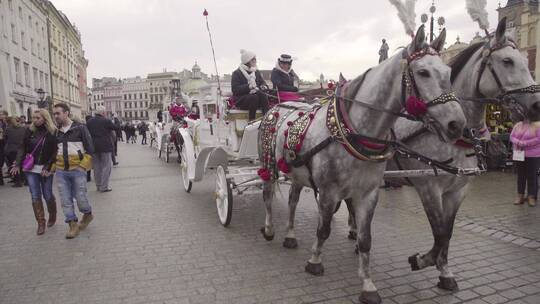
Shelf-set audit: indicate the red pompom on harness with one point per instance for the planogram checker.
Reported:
(416, 106)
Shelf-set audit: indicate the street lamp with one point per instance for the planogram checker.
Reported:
(42, 103)
(440, 21)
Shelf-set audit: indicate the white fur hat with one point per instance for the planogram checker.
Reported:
(246, 56)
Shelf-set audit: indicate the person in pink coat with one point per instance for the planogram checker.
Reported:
(526, 137)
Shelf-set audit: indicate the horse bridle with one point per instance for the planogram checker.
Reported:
(408, 84)
(486, 63)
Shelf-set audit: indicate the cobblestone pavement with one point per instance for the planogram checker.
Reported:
(150, 242)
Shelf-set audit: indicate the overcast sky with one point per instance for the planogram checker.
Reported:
(125, 38)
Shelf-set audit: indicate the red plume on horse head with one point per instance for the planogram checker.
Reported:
(205, 13)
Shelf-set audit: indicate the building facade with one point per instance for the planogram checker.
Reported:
(159, 90)
(24, 55)
(523, 20)
(66, 60)
(135, 99)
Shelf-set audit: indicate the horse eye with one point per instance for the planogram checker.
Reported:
(424, 73)
(508, 61)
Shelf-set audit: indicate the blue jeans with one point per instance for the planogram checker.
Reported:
(72, 185)
(40, 186)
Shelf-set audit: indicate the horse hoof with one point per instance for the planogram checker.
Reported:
(413, 260)
(370, 297)
(352, 235)
(290, 243)
(448, 284)
(315, 269)
(266, 236)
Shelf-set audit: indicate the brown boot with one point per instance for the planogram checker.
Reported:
(73, 230)
(51, 208)
(519, 200)
(39, 213)
(86, 219)
(531, 200)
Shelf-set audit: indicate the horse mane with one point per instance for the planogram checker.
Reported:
(458, 62)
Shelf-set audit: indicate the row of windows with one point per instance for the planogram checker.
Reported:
(161, 89)
(156, 98)
(38, 80)
(98, 97)
(135, 114)
(134, 104)
(36, 48)
(128, 96)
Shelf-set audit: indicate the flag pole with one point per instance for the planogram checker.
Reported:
(205, 14)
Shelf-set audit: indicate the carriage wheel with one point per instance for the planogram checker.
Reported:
(224, 198)
(184, 170)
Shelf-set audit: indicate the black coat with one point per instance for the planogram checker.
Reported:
(100, 128)
(13, 139)
(283, 81)
(45, 154)
(240, 85)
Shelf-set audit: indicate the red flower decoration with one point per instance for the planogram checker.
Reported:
(311, 115)
(331, 85)
(283, 166)
(276, 114)
(286, 133)
(298, 147)
(416, 106)
(289, 123)
(273, 130)
(300, 114)
(264, 174)
(302, 136)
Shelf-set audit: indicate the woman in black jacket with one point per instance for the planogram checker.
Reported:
(40, 141)
(246, 83)
(283, 76)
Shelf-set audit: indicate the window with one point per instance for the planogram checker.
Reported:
(151, 98)
(160, 97)
(44, 54)
(39, 50)
(23, 43)
(125, 97)
(41, 81)
(145, 95)
(129, 96)
(29, 21)
(20, 12)
(136, 116)
(140, 104)
(36, 80)
(140, 95)
(3, 26)
(13, 33)
(45, 84)
(135, 96)
(125, 104)
(146, 104)
(10, 4)
(32, 46)
(17, 64)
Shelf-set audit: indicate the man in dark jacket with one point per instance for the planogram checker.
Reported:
(283, 76)
(247, 83)
(100, 128)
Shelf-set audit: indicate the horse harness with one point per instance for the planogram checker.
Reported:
(339, 124)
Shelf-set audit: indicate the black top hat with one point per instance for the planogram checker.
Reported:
(284, 58)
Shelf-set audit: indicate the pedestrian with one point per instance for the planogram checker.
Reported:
(127, 131)
(525, 138)
(133, 134)
(142, 131)
(114, 154)
(14, 137)
(118, 131)
(36, 158)
(73, 160)
(89, 171)
(3, 126)
(100, 129)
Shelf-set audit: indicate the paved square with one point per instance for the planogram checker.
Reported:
(151, 242)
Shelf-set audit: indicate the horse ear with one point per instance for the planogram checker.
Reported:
(342, 79)
(438, 44)
(501, 30)
(419, 39)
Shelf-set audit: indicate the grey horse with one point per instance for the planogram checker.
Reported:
(335, 173)
(442, 196)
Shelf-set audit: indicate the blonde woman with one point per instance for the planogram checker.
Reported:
(40, 141)
(525, 138)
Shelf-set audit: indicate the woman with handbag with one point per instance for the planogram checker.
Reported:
(525, 138)
(36, 158)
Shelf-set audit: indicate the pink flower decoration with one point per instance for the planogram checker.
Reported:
(283, 166)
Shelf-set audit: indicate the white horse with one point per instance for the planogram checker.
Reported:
(338, 148)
